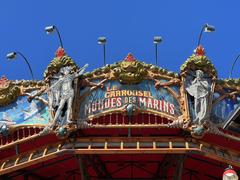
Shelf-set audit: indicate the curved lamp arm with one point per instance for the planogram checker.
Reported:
(51, 29)
(205, 28)
(59, 36)
(12, 55)
(230, 74)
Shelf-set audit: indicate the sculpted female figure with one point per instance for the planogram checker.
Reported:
(200, 89)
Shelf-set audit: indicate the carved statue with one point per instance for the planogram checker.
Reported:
(63, 89)
(64, 85)
(54, 94)
(60, 93)
(200, 89)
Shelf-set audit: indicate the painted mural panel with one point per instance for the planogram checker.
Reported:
(116, 95)
(22, 112)
(224, 109)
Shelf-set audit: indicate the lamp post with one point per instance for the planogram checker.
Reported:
(156, 41)
(13, 55)
(205, 28)
(103, 41)
(51, 29)
(230, 74)
(230, 174)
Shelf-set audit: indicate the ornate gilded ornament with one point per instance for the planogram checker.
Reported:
(8, 91)
(60, 60)
(59, 77)
(130, 71)
(196, 84)
(198, 61)
(199, 75)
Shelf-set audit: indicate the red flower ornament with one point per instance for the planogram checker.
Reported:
(60, 52)
(199, 51)
(129, 58)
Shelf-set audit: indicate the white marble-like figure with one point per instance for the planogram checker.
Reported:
(200, 89)
(54, 94)
(66, 92)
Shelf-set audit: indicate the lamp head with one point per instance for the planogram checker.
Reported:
(11, 55)
(157, 39)
(229, 173)
(102, 40)
(209, 28)
(49, 29)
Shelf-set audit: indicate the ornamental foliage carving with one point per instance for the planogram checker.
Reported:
(8, 92)
(198, 61)
(61, 60)
(130, 71)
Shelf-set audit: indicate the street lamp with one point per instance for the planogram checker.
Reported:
(230, 74)
(13, 55)
(156, 41)
(205, 28)
(51, 29)
(103, 41)
(230, 174)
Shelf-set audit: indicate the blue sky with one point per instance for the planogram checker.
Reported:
(129, 26)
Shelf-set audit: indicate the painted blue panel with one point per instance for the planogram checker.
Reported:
(224, 109)
(22, 112)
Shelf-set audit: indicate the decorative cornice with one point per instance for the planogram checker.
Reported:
(131, 71)
(10, 90)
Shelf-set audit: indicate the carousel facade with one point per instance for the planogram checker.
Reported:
(127, 120)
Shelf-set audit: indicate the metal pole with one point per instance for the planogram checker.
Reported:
(200, 35)
(129, 132)
(230, 74)
(25, 177)
(29, 67)
(104, 54)
(156, 53)
(59, 36)
(179, 167)
(82, 168)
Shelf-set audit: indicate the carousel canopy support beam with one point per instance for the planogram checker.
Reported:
(82, 168)
(20, 172)
(164, 165)
(17, 149)
(179, 167)
(118, 145)
(34, 176)
(98, 166)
